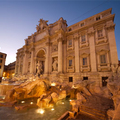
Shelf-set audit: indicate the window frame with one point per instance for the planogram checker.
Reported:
(70, 62)
(98, 18)
(103, 59)
(84, 61)
(99, 33)
(70, 43)
(0, 61)
(82, 24)
(83, 38)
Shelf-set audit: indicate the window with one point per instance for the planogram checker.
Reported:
(70, 30)
(0, 66)
(70, 62)
(85, 78)
(104, 82)
(70, 79)
(70, 43)
(98, 18)
(83, 38)
(84, 61)
(1, 56)
(0, 61)
(102, 59)
(100, 34)
(82, 24)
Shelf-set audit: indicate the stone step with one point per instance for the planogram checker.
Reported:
(101, 115)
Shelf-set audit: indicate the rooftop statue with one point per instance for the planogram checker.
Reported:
(42, 25)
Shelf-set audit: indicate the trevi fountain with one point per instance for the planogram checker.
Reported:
(34, 97)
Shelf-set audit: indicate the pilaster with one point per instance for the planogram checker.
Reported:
(92, 51)
(112, 44)
(77, 57)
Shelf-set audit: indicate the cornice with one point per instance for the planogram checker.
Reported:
(110, 27)
(95, 23)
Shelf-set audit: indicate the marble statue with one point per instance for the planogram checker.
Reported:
(55, 65)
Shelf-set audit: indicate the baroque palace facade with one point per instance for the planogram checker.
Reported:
(83, 51)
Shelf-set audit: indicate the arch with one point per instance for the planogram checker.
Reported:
(40, 50)
(40, 61)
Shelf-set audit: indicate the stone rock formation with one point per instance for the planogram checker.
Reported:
(114, 88)
(28, 89)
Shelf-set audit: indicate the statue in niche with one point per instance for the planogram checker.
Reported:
(55, 64)
(42, 25)
(39, 68)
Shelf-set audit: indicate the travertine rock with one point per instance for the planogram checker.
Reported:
(62, 94)
(80, 97)
(27, 90)
(54, 97)
(117, 113)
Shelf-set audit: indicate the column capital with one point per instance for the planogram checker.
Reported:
(76, 38)
(33, 48)
(48, 43)
(91, 33)
(60, 39)
(65, 41)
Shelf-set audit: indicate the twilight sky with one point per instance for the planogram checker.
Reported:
(18, 18)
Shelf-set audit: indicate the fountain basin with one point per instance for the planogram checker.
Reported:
(32, 114)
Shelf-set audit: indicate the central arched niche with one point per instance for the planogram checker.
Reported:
(40, 59)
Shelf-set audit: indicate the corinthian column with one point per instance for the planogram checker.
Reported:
(60, 55)
(47, 58)
(32, 61)
(25, 62)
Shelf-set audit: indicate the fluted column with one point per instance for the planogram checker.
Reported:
(77, 57)
(92, 51)
(60, 55)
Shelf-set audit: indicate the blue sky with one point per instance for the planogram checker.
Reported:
(18, 18)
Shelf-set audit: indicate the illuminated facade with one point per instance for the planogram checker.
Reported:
(2, 63)
(83, 51)
(9, 70)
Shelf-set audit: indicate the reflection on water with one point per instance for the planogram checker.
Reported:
(31, 114)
